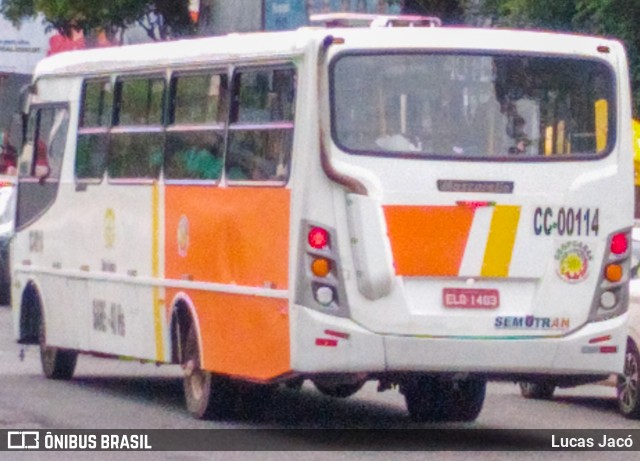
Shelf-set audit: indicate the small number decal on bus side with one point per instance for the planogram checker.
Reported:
(108, 318)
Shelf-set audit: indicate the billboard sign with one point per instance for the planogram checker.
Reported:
(291, 14)
(22, 47)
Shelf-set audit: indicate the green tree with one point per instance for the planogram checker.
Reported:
(162, 19)
(613, 18)
(450, 11)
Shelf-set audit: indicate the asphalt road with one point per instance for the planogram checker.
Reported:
(128, 395)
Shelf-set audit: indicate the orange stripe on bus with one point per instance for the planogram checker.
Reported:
(428, 240)
(236, 236)
(243, 336)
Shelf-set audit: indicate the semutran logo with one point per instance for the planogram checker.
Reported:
(23, 440)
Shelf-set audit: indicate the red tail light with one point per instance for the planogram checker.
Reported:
(619, 244)
(318, 238)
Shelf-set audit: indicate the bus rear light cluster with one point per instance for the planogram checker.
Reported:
(320, 284)
(612, 293)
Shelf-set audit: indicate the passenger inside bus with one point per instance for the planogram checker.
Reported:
(41, 168)
(8, 158)
(193, 155)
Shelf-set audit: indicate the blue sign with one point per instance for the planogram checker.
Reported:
(285, 14)
(291, 14)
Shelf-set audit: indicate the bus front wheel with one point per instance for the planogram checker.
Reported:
(207, 395)
(56, 363)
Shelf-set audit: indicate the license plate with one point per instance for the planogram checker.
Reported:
(471, 298)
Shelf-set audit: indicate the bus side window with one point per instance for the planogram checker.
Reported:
(46, 140)
(261, 125)
(95, 121)
(195, 134)
(136, 141)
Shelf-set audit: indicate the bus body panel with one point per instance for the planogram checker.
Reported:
(236, 236)
(232, 235)
(445, 241)
(241, 335)
(357, 349)
(111, 248)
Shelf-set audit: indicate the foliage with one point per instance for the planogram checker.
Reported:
(613, 18)
(451, 12)
(162, 19)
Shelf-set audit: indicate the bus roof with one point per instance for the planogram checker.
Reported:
(277, 45)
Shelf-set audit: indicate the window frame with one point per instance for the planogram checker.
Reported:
(135, 128)
(234, 125)
(219, 126)
(612, 119)
(104, 130)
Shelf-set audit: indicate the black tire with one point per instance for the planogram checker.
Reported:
(341, 391)
(434, 399)
(628, 391)
(207, 395)
(253, 400)
(56, 363)
(294, 384)
(466, 398)
(542, 390)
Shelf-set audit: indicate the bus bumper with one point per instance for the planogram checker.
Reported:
(326, 344)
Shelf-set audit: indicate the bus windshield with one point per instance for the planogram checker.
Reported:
(492, 107)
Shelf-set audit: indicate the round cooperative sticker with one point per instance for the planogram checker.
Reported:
(573, 261)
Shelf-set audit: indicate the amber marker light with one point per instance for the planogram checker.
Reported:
(613, 272)
(321, 267)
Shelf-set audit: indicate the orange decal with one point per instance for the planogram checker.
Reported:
(428, 240)
(243, 336)
(236, 236)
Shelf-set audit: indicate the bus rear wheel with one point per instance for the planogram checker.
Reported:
(207, 395)
(340, 388)
(434, 399)
(56, 363)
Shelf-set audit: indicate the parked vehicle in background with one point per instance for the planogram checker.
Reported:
(627, 387)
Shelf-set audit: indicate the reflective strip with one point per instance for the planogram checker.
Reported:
(155, 272)
(502, 238)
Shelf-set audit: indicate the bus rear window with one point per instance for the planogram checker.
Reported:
(500, 107)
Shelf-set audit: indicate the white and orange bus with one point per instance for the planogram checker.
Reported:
(428, 207)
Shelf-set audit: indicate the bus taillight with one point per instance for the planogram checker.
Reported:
(619, 243)
(612, 295)
(318, 238)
